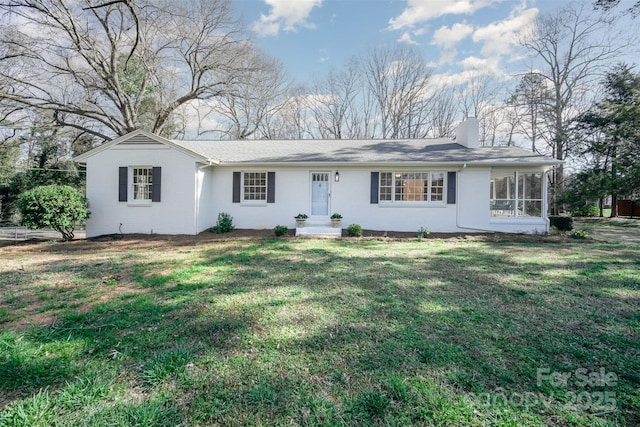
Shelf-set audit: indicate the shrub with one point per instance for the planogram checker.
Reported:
(224, 224)
(579, 234)
(59, 207)
(354, 230)
(585, 210)
(301, 216)
(562, 223)
(336, 216)
(423, 232)
(280, 230)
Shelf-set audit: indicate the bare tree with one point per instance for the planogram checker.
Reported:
(571, 47)
(398, 81)
(512, 121)
(290, 120)
(632, 8)
(476, 94)
(477, 97)
(258, 94)
(333, 103)
(444, 113)
(106, 69)
(532, 101)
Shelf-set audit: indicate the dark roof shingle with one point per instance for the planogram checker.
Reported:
(359, 151)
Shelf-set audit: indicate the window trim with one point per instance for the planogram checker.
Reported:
(131, 193)
(254, 202)
(409, 203)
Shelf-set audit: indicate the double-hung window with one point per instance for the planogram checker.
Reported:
(255, 188)
(420, 186)
(139, 185)
(254, 185)
(516, 194)
(142, 181)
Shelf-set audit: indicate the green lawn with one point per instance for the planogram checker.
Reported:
(477, 332)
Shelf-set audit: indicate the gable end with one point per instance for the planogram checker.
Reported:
(140, 139)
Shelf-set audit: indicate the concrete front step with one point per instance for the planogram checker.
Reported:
(319, 230)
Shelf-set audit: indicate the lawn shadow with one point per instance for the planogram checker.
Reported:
(340, 332)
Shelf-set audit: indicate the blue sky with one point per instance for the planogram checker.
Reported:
(311, 36)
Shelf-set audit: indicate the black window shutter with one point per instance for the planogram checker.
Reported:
(451, 188)
(271, 187)
(236, 187)
(156, 180)
(375, 181)
(123, 173)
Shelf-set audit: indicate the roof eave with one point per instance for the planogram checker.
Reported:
(82, 158)
(388, 164)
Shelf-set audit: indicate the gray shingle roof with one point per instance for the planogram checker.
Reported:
(359, 151)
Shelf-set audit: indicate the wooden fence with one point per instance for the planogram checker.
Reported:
(628, 208)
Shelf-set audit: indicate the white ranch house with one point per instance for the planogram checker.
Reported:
(143, 183)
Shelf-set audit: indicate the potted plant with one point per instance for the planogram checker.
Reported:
(336, 219)
(300, 219)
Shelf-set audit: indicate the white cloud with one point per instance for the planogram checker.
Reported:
(419, 11)
(448, 38)
(448, 56)
(475, 63)
(285, 15)
(499, 37)
(462, 78)
(419, 31)
(406, 38)
(474, 66)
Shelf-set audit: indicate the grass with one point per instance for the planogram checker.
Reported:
(321, 332)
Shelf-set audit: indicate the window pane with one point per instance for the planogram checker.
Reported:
(504, 187)
(255, 186)
(502, 202)
(530, 186)
(437, 186)
(412, 186)
(386, 186)
(529, 194)
(530, 208)
(142, 183)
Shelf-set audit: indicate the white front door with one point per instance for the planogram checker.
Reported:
(320, 193)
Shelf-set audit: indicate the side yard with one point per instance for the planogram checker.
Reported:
(466, 330)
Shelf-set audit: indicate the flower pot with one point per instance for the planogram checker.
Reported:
(300, 222)
(336, 223)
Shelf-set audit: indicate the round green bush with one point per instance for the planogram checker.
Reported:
(224, 224)
(585, 210)
(354, 230)
(579, 234)
(59, 207)
(561, 222)
(280, 230)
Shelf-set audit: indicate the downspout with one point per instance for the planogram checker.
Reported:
(196, 208)
(545, 201)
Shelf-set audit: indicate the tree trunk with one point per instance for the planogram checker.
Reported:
(601, 207)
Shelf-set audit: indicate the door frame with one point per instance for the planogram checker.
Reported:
(311, 173)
